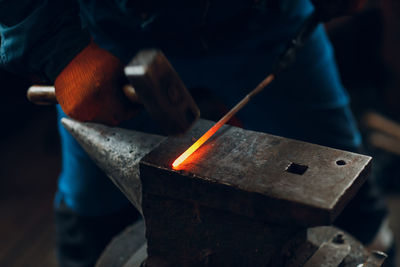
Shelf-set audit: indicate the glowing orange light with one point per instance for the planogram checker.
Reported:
(195, 146)
(222, 121)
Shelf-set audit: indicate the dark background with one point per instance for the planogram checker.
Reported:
(366, 50)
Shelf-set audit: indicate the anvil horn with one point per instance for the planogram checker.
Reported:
(117, 152)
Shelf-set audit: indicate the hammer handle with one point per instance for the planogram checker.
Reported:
(46, 95)
(42, 95)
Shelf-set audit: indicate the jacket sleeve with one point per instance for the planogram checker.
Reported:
(40, 37)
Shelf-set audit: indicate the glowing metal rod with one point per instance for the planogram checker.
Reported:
(222, 121)
(285, 60)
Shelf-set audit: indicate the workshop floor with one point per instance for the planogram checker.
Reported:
(29, 168)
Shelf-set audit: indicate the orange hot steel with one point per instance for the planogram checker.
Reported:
(222, 121)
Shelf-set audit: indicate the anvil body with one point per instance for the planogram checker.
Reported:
(243, 199)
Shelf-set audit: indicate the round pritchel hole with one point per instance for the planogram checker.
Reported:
(339, 239)
(341, 162)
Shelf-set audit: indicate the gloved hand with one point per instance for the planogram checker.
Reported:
(328, 9)
(89, 88)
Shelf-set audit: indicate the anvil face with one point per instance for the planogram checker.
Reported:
(243, 199)
(257, 175)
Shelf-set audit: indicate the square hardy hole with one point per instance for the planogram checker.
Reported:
(297, 168)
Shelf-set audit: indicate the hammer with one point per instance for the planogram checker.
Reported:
(155, 84)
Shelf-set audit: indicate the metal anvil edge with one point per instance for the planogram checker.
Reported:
(242, 195)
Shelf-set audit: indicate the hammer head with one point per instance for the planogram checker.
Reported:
(162, 92)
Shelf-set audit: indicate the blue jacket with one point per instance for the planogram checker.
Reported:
(228, 47)
(41, 36)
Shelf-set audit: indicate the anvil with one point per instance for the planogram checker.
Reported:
(240, 200)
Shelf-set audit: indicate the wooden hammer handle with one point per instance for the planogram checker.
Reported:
(42, 95)
(46, 95)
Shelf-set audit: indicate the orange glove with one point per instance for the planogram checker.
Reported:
(90, 88)
(329, 9)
